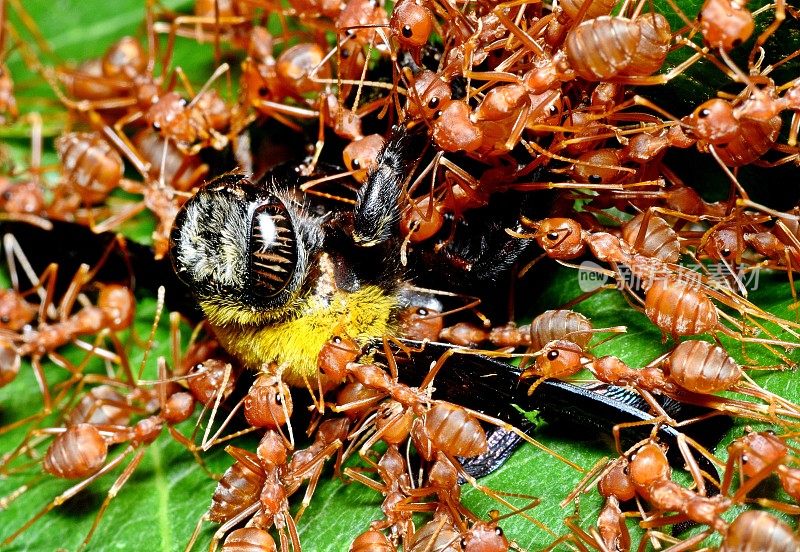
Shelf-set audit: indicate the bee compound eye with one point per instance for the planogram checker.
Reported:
(273, 248)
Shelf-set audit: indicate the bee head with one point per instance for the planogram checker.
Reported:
(242, 248)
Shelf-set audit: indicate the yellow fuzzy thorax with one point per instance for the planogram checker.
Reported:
(295, 344)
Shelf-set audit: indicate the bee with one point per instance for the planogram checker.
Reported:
(276, 281)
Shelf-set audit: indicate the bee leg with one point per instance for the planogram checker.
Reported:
(377, 209)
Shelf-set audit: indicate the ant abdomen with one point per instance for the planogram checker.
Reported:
(701, 367)
(454, 431)
(77, 453)
(679, 308)
(249, 539)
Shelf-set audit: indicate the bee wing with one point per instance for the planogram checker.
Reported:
(492, 387)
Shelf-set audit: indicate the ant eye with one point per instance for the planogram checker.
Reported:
(704, 113)
(498, 531)
(407, 31)
(745, 459)
(552, 355)
(463, 542)
(263, 91)
(278, 399)
(182, 102)
(5, 319)
(552, 236)
(7, 195)
(595, 179)
(433, 103)
(552, 110)
(736, 43)
(726, 252)
(336, 339)
(345, 54)
(422, 311)
(437, 115)
(356, 164)
(156, 126)
(626, 470)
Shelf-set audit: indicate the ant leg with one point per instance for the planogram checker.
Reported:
(494, 495)
(780, 15)
(225, 527)
(192, 448)
(316, 465)
(38, 372)
(66, 495)
(217, 400)
(790, 509)
(112, 492)
(508, 427)
(293, 535)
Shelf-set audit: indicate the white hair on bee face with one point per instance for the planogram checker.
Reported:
(220, 215)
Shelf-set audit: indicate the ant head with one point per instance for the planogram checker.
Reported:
(15, 311)
(336, 354)
(559, 358)
(207, 377)
(119, 304)
(178, 407)
(361, 156)
(422, 219)
(725, 24)
(297, 65)
(760, 449)
(649, 465)
(393, 422)
(427, 96)
(617, 482)
(561, 238)
(485, 537)
(599, 166)
(268, 403)
(714, 122)
(724, 244)
(411, 23)
(420, 323)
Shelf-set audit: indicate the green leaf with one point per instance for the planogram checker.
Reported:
(158, 507)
